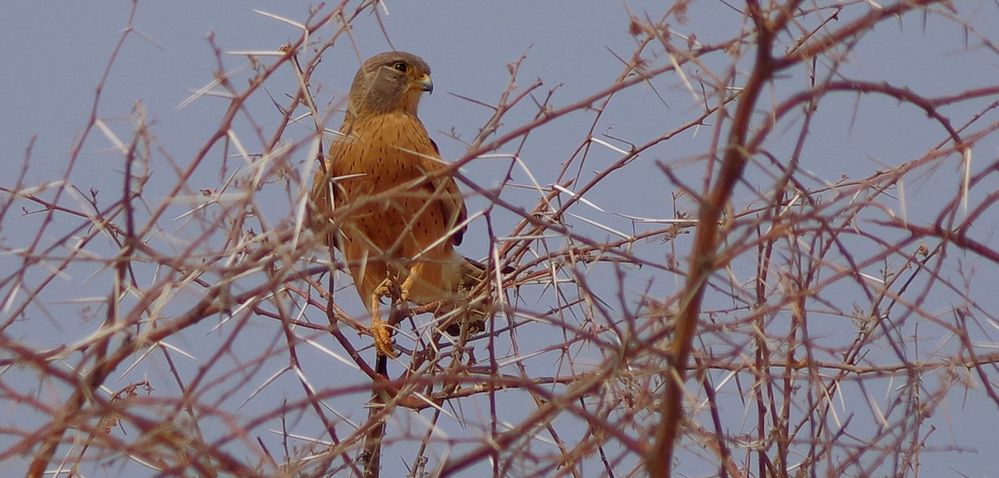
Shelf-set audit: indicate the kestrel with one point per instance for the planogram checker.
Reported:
(383, 199)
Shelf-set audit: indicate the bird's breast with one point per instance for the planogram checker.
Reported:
(387, 149)
(381, 165)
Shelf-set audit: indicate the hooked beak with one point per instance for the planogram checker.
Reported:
(426, 84)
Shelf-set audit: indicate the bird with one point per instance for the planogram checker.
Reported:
(385, 200)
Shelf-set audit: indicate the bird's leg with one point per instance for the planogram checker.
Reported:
(379, 330)
(415, 271)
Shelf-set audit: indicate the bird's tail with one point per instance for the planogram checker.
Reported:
(473, 311)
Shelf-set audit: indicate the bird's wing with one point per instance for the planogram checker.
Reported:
(324, 195)
(449, 197)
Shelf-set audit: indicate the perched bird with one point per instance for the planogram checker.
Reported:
(383, 201)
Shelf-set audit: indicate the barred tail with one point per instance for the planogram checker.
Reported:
(473, 273)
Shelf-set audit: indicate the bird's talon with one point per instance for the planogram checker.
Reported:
(383, 337)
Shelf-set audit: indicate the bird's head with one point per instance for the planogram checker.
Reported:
(388, 82)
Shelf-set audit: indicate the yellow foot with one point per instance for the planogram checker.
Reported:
(383, 290)
(379, 330)
(383, 337)
(415, 271)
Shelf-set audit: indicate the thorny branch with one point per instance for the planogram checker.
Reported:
(770, 321)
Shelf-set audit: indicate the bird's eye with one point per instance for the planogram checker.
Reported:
(400, 66)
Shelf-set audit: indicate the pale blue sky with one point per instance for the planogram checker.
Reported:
(54, 55)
